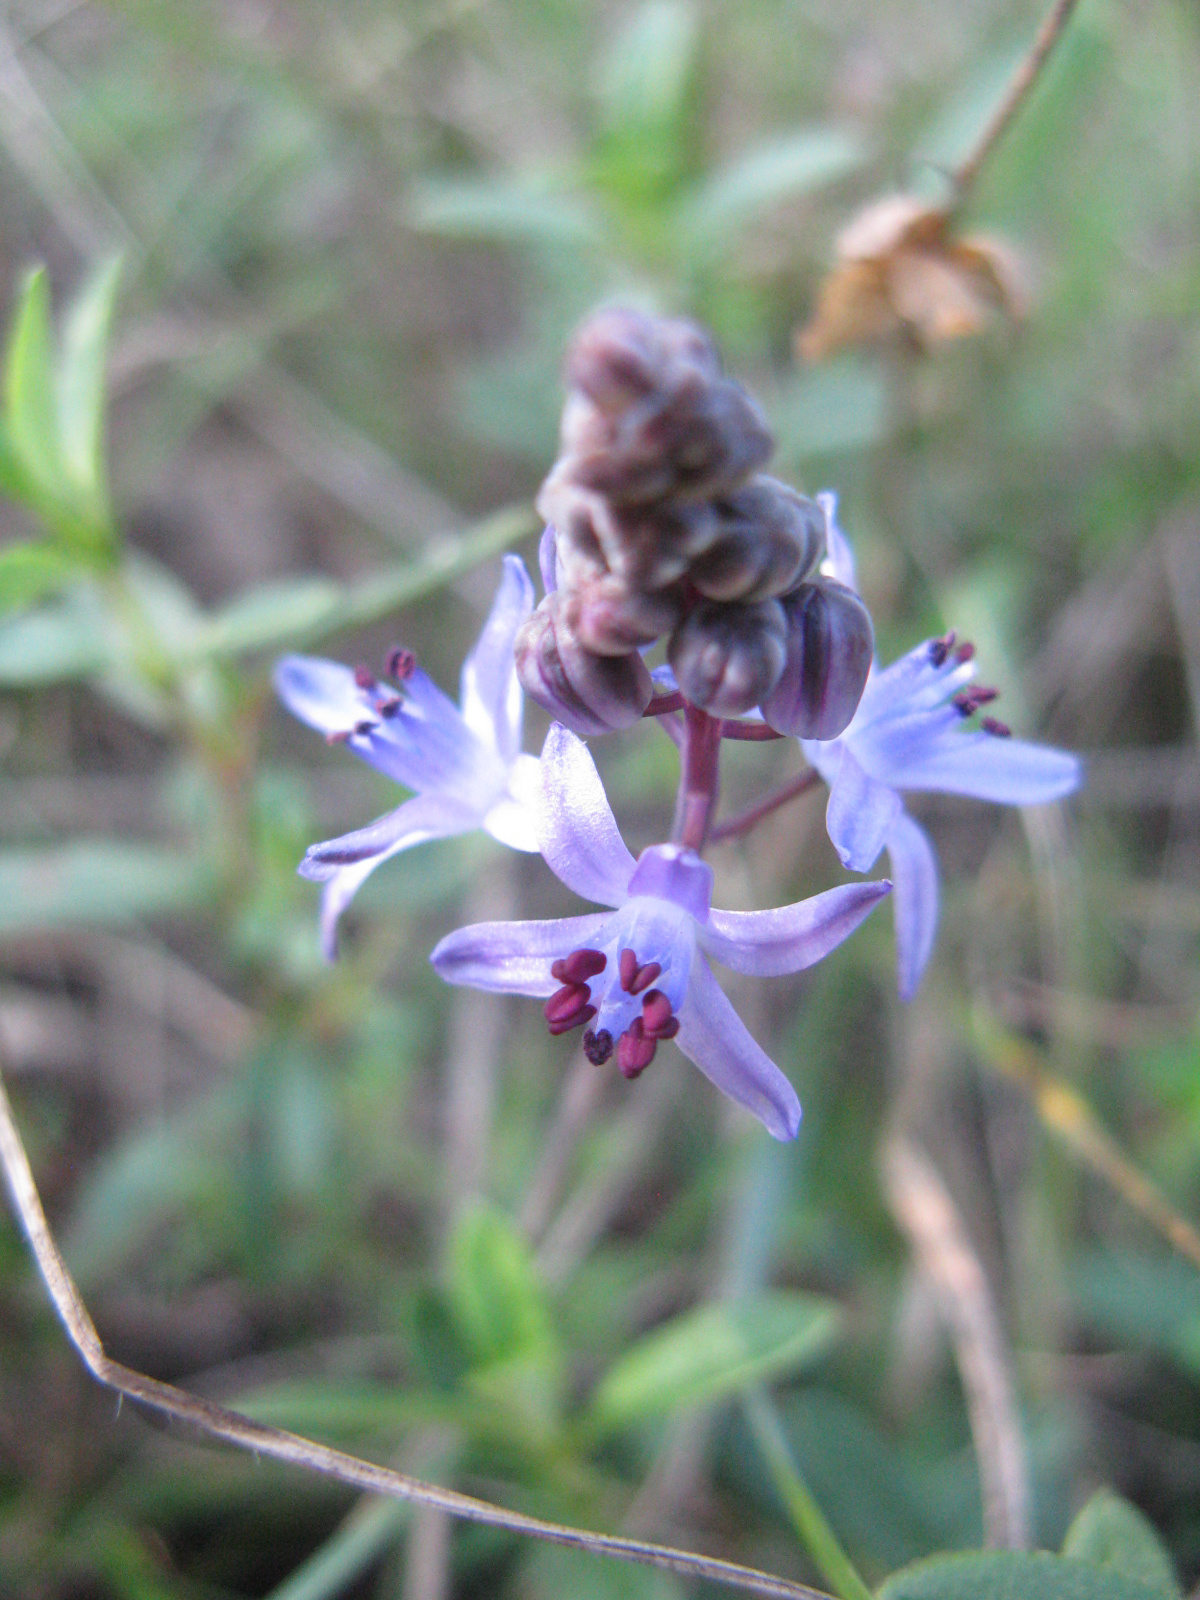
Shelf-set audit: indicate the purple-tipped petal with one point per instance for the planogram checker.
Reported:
(984, 767)
(576, 829)
(491, 696)
(514, 957)
(344, 864)
(712, 1035)
(859, 814)
(915, 900)
(766, 944)
(322, 693)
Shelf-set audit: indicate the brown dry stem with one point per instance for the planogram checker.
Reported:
(216, 1422)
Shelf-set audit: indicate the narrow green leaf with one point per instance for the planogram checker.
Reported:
(714, 1351)
(29, 383)
(13, 481)
(30, 569)
(81, 384)
(54, 644)
(102, 881)
(712, 219)
(646, 99)
(305, 610)
(497, 1299)
(1111, 1533)
(1012, 1575)
(518, 211)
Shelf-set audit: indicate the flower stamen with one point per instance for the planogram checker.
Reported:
(939, 649)
(579, 966)
(598, 1046)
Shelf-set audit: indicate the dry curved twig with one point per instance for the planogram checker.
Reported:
(217, 1422)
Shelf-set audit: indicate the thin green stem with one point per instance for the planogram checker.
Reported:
(803, 1511)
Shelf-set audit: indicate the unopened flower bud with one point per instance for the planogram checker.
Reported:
(769, 538)
(651, 417)
(699, 440)
(728, 657)
(830, 642)
(587, 693)
(619, 356)
(611, 618)
(648, 546)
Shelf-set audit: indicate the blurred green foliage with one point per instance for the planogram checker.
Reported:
(310, 272)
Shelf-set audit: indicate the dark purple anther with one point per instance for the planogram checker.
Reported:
(939, 649)
(970, 700)
(365, 726)
(338, 736)
(656, 1013)
(364, 677)
(566, 1003)
(1001, 730)
(965, 651)
(635, 1051)
(579, 966)
(598, 1047)
(401, 664)
(389, 706)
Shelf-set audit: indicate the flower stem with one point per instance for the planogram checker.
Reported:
(699, 777)
(804, 1513)
(742, 821)
(1024, 78)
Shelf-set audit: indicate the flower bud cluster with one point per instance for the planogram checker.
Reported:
(664, 526)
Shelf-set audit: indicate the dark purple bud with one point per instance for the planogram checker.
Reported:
(611, 618)
(587, 693)
(769, 539)
(830, 642)
(650, 415)
(649, 546)
(696, 441)
(728, 657)
(620, 355)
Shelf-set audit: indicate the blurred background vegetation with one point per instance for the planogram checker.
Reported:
(353, 242)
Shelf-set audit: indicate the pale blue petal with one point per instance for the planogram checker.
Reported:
(576, 829)
(321, 693)
(491, 694)
(712, 1035)
(514, 957)
(985, 767)
(915, 900)
(344, 864)
(859, 813)
(766, 944)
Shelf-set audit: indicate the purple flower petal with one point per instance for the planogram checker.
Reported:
(321, 693)
(491, 697)
(915, 901)
(575, 825)
(344, 864)
(514, 957)
(984, 767)
(859, 814)
(766, 944)
(713, 1036)
(675, 873)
